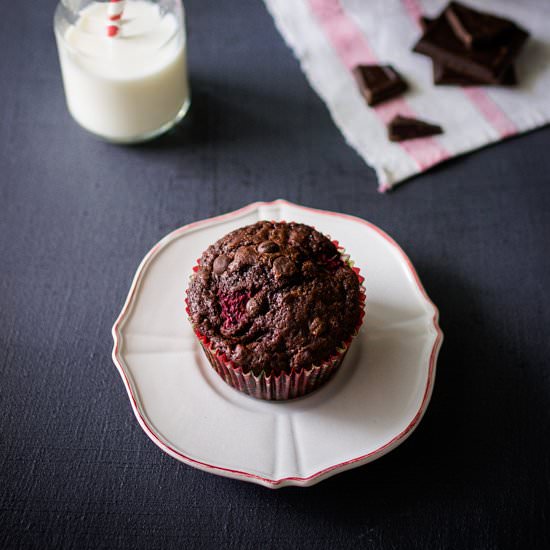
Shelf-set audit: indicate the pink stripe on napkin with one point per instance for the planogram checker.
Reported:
(492, 113)
(413, 9)
(353, 49)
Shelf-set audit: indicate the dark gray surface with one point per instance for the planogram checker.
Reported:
(76, 217)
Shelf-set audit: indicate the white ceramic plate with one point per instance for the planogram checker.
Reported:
(371, 405)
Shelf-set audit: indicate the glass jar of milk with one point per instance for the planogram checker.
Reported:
(124, 66)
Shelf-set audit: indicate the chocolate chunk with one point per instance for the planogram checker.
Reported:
(317, 326)
(445, 76)
(283, 267)
(378, 83)
(203, 275)
(489, 65)
(425, 22)
(402, 128)
(476, 29)
(268, 247)
(245, 255)
(255, 305)
(220, 264)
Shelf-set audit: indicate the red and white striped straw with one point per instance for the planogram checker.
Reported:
(114, 11)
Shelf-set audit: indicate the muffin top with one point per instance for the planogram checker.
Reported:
(274, 296)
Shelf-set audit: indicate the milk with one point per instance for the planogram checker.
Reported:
(130, 87)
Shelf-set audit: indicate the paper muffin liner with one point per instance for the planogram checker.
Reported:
(282, 386)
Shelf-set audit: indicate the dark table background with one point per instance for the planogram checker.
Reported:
(76, 217)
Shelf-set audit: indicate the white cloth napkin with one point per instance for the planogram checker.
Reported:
(329, 37)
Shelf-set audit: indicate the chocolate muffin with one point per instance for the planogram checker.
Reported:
(275, 306)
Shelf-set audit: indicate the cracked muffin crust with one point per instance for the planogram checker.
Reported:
(274, 296)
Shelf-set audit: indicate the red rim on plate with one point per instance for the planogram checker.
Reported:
(235, 473)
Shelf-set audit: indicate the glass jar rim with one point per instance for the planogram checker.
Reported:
(61, 18)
